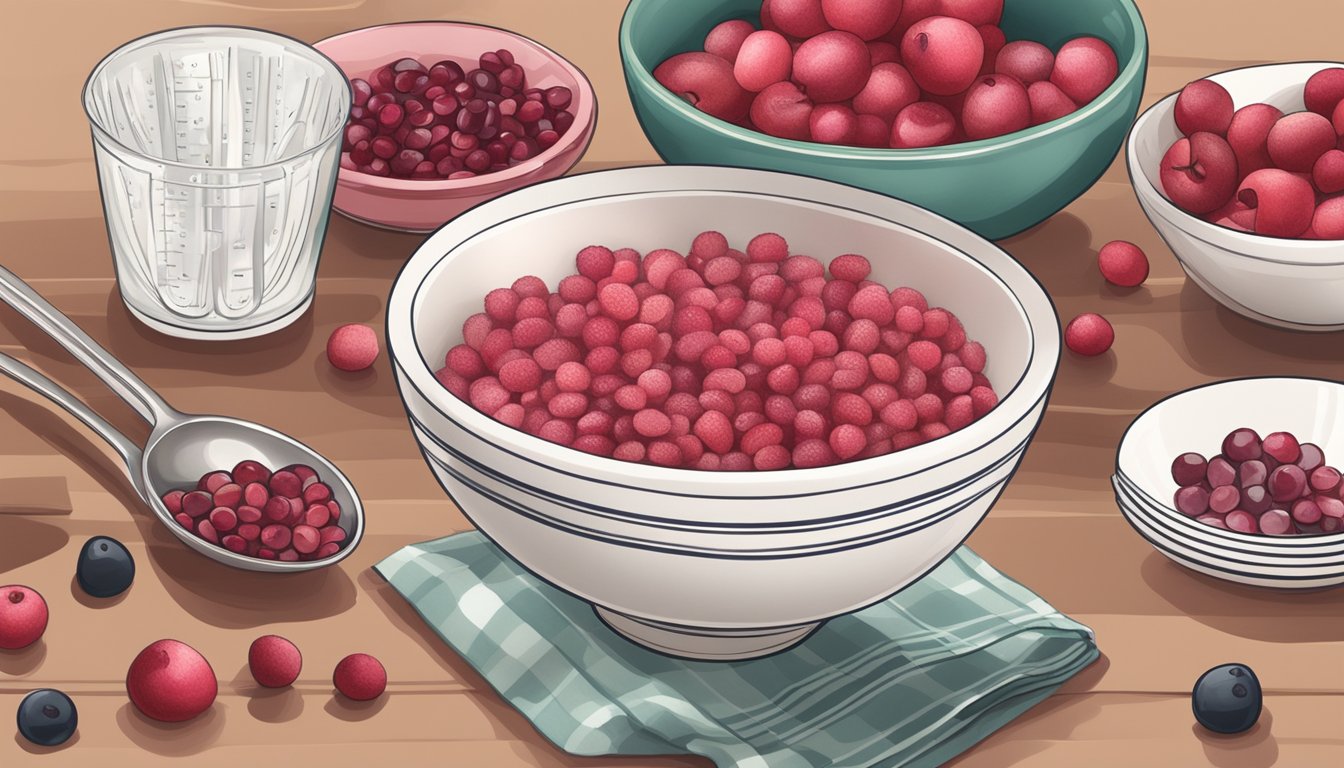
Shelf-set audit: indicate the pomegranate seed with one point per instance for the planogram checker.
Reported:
(223, 519)
(1283, 447)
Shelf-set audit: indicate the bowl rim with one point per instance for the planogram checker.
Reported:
(580, 131)
(1036, 308)
(641, 76)
(1287, 541)
(1184, 555)
(237, 30)
(1249, 245)
(1136, 504)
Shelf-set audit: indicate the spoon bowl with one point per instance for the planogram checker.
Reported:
(178, 454)
(181, 447)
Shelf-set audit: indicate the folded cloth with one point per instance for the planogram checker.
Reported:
(911, 681)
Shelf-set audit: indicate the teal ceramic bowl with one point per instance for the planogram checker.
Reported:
(997, 187)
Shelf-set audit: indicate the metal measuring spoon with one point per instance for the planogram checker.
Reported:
(181, 447)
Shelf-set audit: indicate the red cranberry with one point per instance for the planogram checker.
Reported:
(1188, 469)
(274, 661)
(1199, 174)
(1192, 501)
(1287, 483)
(1089, 334)
(1123, 263)
(1203, 106)
(1242, 445)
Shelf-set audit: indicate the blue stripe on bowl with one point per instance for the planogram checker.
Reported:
(823, 523)
(1159, 539)
(1187, 528)
(1235, 573)
(1319, 540)
(1032, 349)
(774, 553)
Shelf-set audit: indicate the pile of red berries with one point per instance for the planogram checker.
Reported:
(1277, 486)
(720, 359)
(885, 73)
(443, 122)
(1255, 169)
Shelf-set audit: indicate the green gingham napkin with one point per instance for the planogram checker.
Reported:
(912, 681)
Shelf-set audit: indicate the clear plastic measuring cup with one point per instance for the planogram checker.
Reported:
(217, 151)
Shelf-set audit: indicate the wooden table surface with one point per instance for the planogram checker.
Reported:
(1056, 529)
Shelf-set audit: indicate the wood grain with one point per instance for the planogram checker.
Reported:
(1056, 529)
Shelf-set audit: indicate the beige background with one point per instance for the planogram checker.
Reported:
(1056, 529)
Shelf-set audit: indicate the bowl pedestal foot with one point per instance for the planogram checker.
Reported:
(705, 644)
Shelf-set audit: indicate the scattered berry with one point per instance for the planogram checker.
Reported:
(23, 617)
(360, 677)
(352, 347)
(1089, 334)
(1123, 263)
(171, 682)
(274, 661)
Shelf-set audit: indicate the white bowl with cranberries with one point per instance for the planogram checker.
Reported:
(1257, 220)
(624, 510)
(1239, 479)
(446, 115)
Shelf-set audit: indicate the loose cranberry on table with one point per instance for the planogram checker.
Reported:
(1256, 169)
(443, 121)
(352, 347)
(885, 73)
(360, 677)
(725, 358)
(171, 682)
(274, 661)
(23, 617)
(287, 515)
(1276, 486)
(1123, 263)
(1089, 334)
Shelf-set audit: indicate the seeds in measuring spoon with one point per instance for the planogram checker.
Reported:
(287, 515)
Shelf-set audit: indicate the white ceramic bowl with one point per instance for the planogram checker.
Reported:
(1204, 552)
(709, 564)
(1288, 283)
(1197, 420)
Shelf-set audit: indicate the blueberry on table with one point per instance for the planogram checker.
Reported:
(1227, 699)
(105, 567)
(47, 717)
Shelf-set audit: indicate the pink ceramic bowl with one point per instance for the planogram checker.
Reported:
(422, 206)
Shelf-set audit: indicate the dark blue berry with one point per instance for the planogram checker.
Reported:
(47, 717)
(1227, 699)
(105, 568)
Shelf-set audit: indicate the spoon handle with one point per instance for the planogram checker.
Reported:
(127, 385)
(26, 375)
